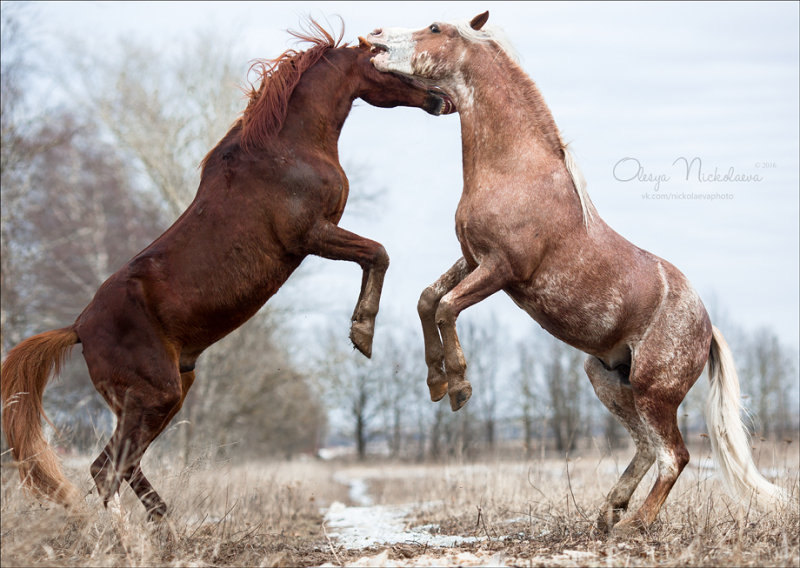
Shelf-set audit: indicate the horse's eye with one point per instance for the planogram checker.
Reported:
(434, 29)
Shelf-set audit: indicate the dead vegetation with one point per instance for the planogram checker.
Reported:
(525, 513)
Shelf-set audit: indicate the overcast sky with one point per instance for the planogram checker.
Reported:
(629, 85)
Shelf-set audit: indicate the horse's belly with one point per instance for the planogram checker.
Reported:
(590, 324)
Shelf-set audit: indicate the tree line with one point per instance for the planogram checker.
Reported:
(529, 398)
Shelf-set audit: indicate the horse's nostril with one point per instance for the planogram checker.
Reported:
(377, 31)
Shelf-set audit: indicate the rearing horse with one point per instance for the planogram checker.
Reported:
(527, 226)
(271, 192)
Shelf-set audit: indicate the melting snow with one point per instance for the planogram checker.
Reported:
(369, 525)
(362, 527)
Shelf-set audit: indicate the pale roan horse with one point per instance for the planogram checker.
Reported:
(527, 226)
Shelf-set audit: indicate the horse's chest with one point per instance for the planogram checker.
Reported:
(322, 187)
(466, 237)
(483, 229)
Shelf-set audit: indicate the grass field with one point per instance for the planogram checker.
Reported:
(508, 513)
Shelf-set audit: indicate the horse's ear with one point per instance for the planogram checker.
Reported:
(478, 21)
(364, 44)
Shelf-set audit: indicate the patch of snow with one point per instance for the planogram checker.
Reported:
(361, 527)
(455, 559)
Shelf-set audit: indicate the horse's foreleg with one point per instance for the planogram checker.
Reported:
(426, 307)
(485, 280)
(330, 241)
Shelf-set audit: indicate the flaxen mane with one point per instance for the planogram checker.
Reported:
(269, 103)
(547, 124)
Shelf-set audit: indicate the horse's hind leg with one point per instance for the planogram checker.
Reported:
(426, 307)
(155, 506)
(614, 391)
(143, 403)
(660, 379)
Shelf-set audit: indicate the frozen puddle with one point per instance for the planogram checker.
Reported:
(368, 525)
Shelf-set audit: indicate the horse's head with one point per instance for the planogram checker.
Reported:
(433, 54)
(391, 89)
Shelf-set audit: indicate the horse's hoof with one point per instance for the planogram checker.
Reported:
(460, 395)
(628, 527)
(438, 391)
(361, 336)
(607, 519)
(437, 384)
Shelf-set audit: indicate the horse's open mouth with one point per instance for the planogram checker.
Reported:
(448, 106)
(381, 50)
(373, 47)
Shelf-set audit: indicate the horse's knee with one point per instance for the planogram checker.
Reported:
(446, 312)
(428, 301)
(380, 259)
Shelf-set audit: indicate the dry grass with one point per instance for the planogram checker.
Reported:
(542, 514)
(528, 514)
(226, 515)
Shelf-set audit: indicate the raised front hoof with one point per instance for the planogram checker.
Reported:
(361, 336)
(459, 395)
(438, 391)
(437, 385)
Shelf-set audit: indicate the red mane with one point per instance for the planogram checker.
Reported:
(269, 103)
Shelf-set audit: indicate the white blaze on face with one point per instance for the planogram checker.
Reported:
(400, 48)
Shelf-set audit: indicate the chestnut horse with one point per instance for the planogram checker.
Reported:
(271, 192)
(527, 226)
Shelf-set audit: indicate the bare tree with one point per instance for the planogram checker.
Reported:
(164, 112)
(352, 388)
(566, 387)
(399, 363)
(18, 144)
(769, 376)
(249, 400)
(532, 394)
(481, 343)
(75, 221)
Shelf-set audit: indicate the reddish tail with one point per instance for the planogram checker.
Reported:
(25, 373)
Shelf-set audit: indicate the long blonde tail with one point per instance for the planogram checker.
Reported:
(25, 373)
(730, 442)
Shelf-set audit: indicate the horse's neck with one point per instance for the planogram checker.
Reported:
(502, 111)
(319, 105)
